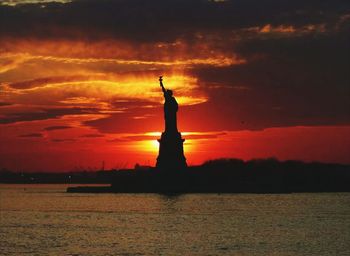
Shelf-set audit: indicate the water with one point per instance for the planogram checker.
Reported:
(43, 220)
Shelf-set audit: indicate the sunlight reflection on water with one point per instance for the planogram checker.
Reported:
(42, 219)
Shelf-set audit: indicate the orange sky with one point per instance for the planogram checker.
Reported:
(72, 97)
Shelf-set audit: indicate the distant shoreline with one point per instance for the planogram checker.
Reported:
(215, 176)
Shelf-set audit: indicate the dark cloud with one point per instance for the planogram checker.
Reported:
(204, 136)
(125, 122)
(42, 114)
(3, 103)
(159, 20)
(300, 80)
(63, 140)
(92, 135)
(31, 135)
(190, 137)
(57, 127)
(116, 140)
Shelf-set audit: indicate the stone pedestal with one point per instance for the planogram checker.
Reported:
(171, 153)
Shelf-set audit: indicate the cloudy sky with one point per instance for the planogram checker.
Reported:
(79, 80)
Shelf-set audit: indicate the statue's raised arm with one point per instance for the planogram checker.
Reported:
(161, 84)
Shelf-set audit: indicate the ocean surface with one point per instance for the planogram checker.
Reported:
(44, 220)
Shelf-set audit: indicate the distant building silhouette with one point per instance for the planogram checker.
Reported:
(171, 154)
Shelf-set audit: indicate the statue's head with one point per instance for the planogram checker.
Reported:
(169, 92)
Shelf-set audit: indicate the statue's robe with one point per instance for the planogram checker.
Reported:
(170, 109)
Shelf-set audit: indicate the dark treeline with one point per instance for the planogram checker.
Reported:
(214, 176)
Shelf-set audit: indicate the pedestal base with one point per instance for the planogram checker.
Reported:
(171, 153)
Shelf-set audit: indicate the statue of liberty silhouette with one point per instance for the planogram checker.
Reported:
(171, 156)
(170, 109)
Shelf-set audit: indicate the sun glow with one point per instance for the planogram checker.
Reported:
(152, 144)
